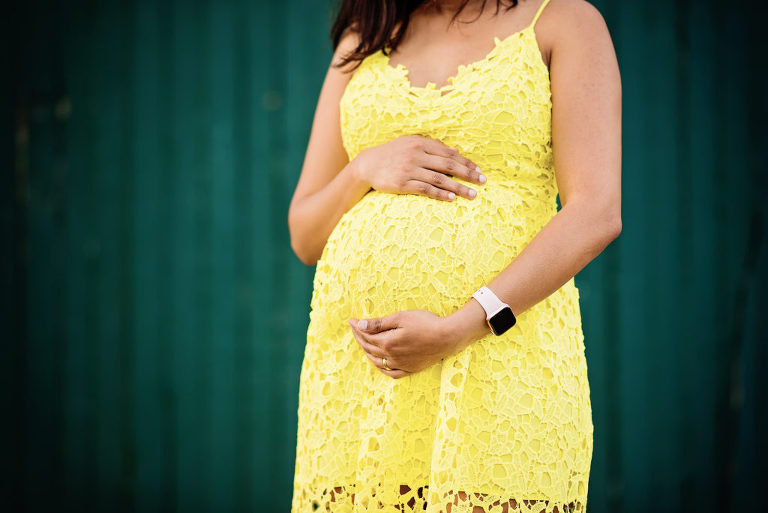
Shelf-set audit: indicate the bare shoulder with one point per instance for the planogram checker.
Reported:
(573, 20)
(571, 23)
(347, 44)
(573, 12)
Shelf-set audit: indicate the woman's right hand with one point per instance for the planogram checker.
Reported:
(418, 165)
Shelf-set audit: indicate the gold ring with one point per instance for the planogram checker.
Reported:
(386, 366)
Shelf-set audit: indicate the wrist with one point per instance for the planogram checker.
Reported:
(358, 175)
(467, 324)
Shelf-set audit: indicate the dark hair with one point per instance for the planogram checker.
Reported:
(375, 21)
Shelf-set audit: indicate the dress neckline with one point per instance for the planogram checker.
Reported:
(430, 87)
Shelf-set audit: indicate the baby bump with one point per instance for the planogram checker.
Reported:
(402, 251)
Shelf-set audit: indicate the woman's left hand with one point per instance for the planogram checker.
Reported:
(410, 340)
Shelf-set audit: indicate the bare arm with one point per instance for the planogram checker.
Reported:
(586, 141)
(327, 186)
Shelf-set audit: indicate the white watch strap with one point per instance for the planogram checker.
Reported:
(490, 301)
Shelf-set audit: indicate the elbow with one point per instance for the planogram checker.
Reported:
(611, 223)
(297, 246)
(607, 216)
(306, 257)
(614, 227)
(300, 245)
(604, 220)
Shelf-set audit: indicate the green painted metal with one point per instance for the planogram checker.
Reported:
(156, 313)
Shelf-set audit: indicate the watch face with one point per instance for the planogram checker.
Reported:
(502, 321)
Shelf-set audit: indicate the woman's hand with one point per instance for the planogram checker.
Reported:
(410, 340)
(418, 165)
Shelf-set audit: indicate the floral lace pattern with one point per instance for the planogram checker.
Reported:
(505, 425)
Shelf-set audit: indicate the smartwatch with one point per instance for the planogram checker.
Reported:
(499, 315)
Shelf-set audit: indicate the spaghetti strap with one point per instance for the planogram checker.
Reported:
(538, 13)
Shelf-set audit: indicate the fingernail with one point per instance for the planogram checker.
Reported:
(477, 168)
(363, 325)
(451, 196)
(482, 178)
(472, 193)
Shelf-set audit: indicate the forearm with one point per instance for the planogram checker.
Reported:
(572, 238)
(312, 218)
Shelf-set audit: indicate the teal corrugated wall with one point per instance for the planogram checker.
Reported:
(155, 314)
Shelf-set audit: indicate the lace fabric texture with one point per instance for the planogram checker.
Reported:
(504, 425)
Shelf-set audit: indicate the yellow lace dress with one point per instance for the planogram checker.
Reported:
(505, 425)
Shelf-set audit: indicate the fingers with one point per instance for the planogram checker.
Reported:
(376, 355)
(439, 148)
(395, 373)
(432, 164)
(369, 348)
(441, 181)
(377, 324)
(427, 189)
(452, 167)
(373, 343)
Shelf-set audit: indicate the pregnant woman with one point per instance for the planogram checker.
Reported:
(444, 368)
